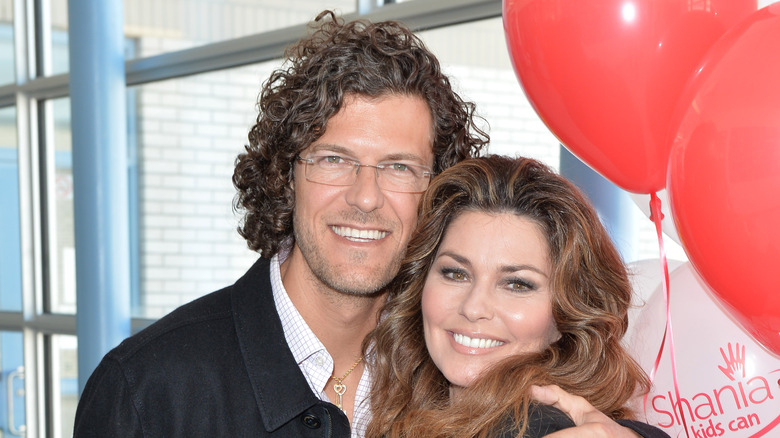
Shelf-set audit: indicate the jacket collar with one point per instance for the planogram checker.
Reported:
(280, 389)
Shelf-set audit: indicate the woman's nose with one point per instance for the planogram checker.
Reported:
(477, 303)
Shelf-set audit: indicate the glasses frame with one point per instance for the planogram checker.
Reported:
(311, 162)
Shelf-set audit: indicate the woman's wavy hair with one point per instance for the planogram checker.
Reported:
(591, 294)
(337, 60)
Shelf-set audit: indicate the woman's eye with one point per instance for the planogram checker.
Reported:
(454, 274)
(520, 285)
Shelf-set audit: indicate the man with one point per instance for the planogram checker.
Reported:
(349, 133)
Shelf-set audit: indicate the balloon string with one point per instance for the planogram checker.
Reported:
(656, 216)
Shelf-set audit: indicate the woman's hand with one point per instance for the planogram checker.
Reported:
(591, 423)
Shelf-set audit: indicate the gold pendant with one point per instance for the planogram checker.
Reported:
(340, 389)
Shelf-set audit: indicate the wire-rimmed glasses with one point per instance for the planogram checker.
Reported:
(335, 170)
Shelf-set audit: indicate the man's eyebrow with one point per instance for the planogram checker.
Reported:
(404, 157)
(341, 150)
(330, 147)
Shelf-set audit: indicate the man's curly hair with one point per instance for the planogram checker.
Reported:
(335, 61)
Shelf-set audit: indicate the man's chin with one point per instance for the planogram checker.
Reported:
(369, 283)
(361, 288)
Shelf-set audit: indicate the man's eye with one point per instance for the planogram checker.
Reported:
(400, 167)
(333, 159)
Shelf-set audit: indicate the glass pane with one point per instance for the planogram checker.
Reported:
(64, 383)
(165, 26)
(6, 41)
(189, 132)
(10, 244)
(58, 43)
(62, 261)
(56, 59)
(12, 411)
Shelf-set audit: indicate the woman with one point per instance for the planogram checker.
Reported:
(509, 281)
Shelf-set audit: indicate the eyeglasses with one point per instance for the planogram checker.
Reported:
(339, 171)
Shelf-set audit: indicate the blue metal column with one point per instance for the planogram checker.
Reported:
(100, 195)
(614, 205)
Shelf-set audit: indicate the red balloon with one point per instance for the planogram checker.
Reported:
(605, 75)
(724, 173)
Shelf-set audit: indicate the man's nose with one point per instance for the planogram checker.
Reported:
(365, 193)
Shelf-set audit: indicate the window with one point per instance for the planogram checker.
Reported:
(188, 115)
(59, 202)
(10, 244)
(12, 384)
(167, 26)
(7, 63)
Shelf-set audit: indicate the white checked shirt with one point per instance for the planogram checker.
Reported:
(314, 360)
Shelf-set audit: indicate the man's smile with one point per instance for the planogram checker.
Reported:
(357, 235)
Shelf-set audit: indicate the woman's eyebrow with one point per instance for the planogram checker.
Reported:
(515, 268)
(457, 257)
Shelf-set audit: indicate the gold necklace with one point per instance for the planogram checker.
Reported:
(339, 386)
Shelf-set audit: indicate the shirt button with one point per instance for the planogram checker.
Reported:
(319, 360)
(311, 421)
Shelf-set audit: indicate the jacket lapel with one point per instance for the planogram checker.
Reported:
(281, 391)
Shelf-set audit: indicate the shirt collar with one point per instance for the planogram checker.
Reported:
(302, 341)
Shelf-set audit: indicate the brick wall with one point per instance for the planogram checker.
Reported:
(190, 132)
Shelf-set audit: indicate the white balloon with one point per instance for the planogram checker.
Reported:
(646, 277)
(729, 385)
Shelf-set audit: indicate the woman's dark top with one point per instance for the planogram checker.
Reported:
(544, 420)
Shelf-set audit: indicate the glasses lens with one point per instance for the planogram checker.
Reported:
(398, 177)
(394, 177)
(332, 170)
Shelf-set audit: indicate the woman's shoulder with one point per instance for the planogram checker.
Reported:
(643, 429)
(542, 420)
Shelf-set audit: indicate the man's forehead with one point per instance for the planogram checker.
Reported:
(404, 148)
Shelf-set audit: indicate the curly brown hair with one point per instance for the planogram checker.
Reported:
(591, 296)
(335, 61)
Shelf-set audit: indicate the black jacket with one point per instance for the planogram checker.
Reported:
(216, 367)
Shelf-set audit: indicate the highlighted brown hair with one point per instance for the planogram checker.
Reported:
(591, 296)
